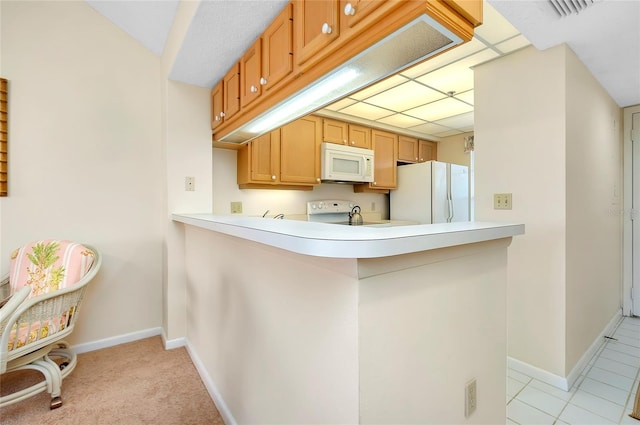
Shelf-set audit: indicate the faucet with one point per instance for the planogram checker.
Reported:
(279, 216)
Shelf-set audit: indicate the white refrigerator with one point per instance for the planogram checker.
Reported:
(431, 192)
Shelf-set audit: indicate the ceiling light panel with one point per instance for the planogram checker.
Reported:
(430, 128)
(465, 97)
(405, 96)
(454, 79)
(494, 28)
(379, 87)
(440, 109)
(457, 121)
(513, 44)
(363, 110)
(401, 120)
(449, 133)
(343, 103)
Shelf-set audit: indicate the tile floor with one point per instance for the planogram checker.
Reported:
(603, 394)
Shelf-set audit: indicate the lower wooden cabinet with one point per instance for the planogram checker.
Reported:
(286, 158)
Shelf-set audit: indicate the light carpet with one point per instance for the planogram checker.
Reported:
(134, 383)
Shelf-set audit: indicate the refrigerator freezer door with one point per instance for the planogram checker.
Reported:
(459, 190)
(439, 193)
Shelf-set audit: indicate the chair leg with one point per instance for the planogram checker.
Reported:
(55, 403)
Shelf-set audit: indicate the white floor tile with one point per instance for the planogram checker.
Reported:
(518, 376)
(623, 348)
(597, 405)
(514, 387)
(554, 391)
(541, 400)
(627, 333)
(605, 391)
(611, 378)
(617, 367)
(634, 342)
(524, 414)
(628, 359)
(575, 415)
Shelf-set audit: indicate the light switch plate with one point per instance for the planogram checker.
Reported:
(502, 201)
(236, 207)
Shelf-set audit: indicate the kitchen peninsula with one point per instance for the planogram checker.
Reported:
(298, 322)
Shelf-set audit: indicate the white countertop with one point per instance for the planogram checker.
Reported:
(338, 241)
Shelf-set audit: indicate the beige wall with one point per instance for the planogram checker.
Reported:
(451, 149)
(85, 154)
(534, 139)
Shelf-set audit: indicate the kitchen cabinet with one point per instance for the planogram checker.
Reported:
(216, 106)
(413, 150)
(277, 49)
(300, 151)
(356, 13)
(385, 148)
(250, 74)
(471, 10)
(231, 93)
(316, 25)
(339, 132)
(286, 158)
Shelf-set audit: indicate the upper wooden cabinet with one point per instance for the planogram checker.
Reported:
(353, 11)
(316, 25)
(277, 49)
(339, 132)
(385, 149)
(231, 93)
(216, 105)
(300, 151)
(412, 150)
(471, 10)
(250, 74)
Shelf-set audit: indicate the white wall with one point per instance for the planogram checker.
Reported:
(533, 139)
(85, 154)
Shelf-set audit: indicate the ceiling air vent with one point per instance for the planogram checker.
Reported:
(567, 7)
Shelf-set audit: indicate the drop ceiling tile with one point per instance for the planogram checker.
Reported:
(513, 44)
(429, 128)
(494, 28)
(343, 103)
(448, 133)
(466, 96)
(441, 109)
(449, 79)
(405, 96)
(401, 120)
(457, 121)
(379, 87)
(445, 58)
(477, 58)
(368, 112)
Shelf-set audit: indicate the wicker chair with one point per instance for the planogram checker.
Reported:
(48, 280)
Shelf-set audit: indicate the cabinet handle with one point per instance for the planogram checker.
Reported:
(416, 158)
(326, 28)
(221, 114)
(353, 142)
(263, 81)
(253, 89)
(345, 142)
(217, 118)
(421, 159)
(349, 10)
(374, 183)
(318, 180)
(273, 177)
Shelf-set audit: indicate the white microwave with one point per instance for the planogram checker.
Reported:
(342, 163)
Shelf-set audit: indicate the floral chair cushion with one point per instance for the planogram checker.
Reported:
(46, 266)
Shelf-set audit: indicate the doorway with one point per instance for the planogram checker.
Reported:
(631, 272)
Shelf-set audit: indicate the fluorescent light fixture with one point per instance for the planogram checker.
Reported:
(416, 41)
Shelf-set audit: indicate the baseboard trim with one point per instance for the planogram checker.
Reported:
(215, 395)
(565, 383)
(170, 344)
(116, 340)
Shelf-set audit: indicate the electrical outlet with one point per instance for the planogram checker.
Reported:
(236, 207)
(501, 201)
(470, 397)
(189, 184)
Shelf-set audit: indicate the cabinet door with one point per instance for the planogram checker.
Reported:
(359, 136)
(353, 11)
(427, 151)
(250, 72)
(216, 106)
(265, 158)
(385, 148)
(277, 49)
(334, 131)
(300, 151)
(407, 149)
(316, 25)
(231, 92)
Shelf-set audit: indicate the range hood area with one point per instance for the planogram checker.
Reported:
(413, 43)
